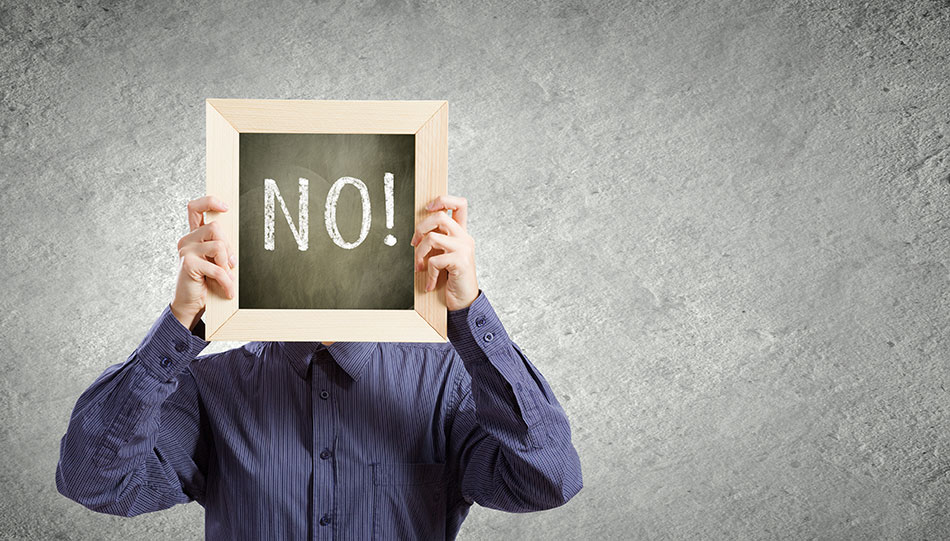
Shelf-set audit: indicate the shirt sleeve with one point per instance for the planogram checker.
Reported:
(136, 438)
(509, 437)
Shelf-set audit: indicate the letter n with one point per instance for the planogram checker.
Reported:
(301, 232)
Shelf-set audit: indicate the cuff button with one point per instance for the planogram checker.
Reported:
(489, 337)
(479, 321)
(180, 347)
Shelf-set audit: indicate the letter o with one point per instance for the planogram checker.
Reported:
(330, 216)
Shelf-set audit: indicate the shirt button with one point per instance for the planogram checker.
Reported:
(324, 394)
(325, 454)
(489, 337)
(324, 520)
(180, 347)
(166, 361)
(479, 321)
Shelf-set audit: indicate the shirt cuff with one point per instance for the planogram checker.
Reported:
(480, 339)
(169, 347)
(476, 332)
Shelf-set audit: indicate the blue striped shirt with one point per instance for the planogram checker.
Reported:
(296, 440)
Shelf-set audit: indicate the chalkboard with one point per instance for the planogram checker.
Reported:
(325, 221)
(324, 196)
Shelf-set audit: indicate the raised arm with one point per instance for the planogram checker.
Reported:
(136, 438)
(508, 436)
(136, 441)
(509, 439)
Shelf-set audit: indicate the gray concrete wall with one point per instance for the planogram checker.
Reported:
(720, 230)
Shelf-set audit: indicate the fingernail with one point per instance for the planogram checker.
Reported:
(233, 261)
(224, 205)
(430, 205)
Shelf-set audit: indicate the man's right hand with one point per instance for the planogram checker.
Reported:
(206, 260)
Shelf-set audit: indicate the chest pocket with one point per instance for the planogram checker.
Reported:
(408, 501)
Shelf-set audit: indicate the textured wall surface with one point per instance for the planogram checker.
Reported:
(720, 231)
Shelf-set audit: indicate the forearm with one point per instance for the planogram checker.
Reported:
(105, 453)
(523, 459)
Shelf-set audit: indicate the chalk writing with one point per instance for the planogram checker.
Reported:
(388, 187)
(301, 232)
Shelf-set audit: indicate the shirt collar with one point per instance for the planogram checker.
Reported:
(352, 357)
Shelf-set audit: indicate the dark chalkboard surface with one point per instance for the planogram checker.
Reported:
(370, 266)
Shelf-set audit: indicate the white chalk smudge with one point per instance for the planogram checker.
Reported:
(330, 215)
(300, 233)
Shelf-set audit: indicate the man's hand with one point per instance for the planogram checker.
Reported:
(442, 243)
(204, 253)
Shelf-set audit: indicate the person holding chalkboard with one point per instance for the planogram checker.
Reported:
(301, 440)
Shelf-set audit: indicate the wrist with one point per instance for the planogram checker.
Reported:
(187, 317)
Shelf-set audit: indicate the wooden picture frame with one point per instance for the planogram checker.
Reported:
(227, 118)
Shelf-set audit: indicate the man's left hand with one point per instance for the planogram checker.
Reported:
(442, 243)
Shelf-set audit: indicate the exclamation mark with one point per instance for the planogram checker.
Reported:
(388, 186)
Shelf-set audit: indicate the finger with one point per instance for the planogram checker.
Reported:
(197, 208)
(208, 232)
(218, 274)
(433, 241)
(217, 251)
(437, 264)
(439, 220)
(458, 205)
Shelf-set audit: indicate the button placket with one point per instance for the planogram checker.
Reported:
(324, 434)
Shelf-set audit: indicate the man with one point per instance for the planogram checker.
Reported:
(306, 440)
